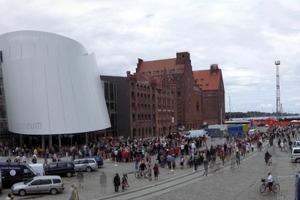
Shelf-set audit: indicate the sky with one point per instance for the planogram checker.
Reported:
(244, 37)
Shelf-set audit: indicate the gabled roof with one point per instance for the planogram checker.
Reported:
(156, 65)
(207, 80)
(142, 79)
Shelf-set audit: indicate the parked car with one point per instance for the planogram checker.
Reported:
(98, 159)
(295, 154)
(85, 164)
(39, 184)
(62, 168)
(0, 181)
(13, 172)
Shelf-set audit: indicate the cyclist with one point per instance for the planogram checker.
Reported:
(270, 181)
(142, 167)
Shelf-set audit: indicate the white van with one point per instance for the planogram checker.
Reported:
(196, 133)
(295, 155)
(296, 143)
(38, 168)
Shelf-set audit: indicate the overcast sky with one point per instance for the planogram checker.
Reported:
(244, 37)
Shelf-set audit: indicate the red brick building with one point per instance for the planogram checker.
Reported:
(164, 96)
(213, 94)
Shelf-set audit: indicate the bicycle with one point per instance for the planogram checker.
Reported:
(264, 186)
(140, 174)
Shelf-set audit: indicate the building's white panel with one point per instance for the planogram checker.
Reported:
(40, 97)
(15, 51)
(41, 49)
(55, 107)
(67, 92)
(28, 49)
(51, 85)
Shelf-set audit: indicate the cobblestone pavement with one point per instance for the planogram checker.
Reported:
(244, 181)
(235, 183)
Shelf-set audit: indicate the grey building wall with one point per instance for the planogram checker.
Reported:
(122, 111)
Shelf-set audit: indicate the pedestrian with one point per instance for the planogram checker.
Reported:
(124, 183)
(238, 158)
(205, 162)
(34, 159)
(103, 182)
(117, 182)
(137, 160)
(80, 177)
(156, 171)
(181, 162)
(24, 159)
(74, 193)
(10, 196)
(149, 171)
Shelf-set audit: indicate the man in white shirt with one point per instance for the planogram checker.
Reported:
(270, 181)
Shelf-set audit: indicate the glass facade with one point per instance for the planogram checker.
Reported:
(110, 91)
(3, 116)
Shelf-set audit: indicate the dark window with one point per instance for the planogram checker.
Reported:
(36, 182)
(52, 166)
(46, 182)
(296, 150)
(56, 181)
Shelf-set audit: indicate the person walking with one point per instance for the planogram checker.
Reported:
(117, 182)
(10, 196)
(205, 163)
(103, 182)
(124, 183)
(156, 171)
(80, 177)
(74, 193)
(181, 162)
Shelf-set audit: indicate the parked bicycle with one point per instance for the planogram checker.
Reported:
(141, 174)
(264, 186)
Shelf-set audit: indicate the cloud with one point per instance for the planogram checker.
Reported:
(243, 37)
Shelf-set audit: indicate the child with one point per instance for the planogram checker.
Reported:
(124, 183)
(181, 162)
(156, 171)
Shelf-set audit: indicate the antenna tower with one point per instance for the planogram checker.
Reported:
(278, 104)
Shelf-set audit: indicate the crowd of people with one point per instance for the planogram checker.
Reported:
(150, 154)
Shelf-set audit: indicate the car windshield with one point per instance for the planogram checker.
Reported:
(32, 170)
(25, 182)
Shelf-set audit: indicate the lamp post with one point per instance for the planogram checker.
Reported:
(277, 63)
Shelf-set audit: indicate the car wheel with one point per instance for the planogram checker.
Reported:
(69, 174)
(88, 169)
(22, 192)
(53, 191)
(297, 160)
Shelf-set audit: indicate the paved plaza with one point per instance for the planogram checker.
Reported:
(238, 182)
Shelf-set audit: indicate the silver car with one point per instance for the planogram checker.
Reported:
(39, 184)
(85, 164)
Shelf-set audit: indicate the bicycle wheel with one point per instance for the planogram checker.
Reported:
(276, 187)
(262, 188)
(137, 174)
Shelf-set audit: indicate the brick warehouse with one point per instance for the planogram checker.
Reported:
(164, 96)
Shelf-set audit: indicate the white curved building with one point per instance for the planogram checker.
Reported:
(51, 85)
